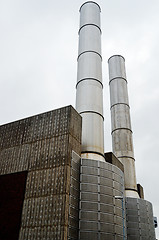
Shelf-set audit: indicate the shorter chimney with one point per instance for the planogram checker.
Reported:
(122, 140)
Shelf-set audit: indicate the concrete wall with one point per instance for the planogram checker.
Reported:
(43, 145)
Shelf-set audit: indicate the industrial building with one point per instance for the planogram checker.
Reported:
(55, 178)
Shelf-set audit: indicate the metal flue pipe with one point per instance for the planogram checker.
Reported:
(122, 140)
(89, 96)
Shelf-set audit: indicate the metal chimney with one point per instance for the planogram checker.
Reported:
(89, 97)
(121, 124)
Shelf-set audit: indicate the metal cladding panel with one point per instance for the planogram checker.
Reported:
(129, 174)
(91, 43)
(90, 170)
(101, 214)
(89, 67)
(119, 138)
(119, 67)
(118, 91)
(123, 113)
(47, 146)
(89, 143)
(92, 97)
(89, 14)
(139, 218)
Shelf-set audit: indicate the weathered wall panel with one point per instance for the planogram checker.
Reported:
(101, 213)
(43, 145)
(139, 217)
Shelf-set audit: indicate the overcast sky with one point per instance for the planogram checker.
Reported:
(38, 65)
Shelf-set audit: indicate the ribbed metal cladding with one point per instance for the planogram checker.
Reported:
(139, 219)
(89, 97)
(101, 213)
(121, 124)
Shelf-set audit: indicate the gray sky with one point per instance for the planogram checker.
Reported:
(38, 65)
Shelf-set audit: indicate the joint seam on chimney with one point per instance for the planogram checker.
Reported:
(117, 78)
(119, 104)
(126, 157)
(90, 2)
(121, 129)
(89, 24)
(89, 51)
(116, 55)
(94, 153)
(92, 112)
(88, 79)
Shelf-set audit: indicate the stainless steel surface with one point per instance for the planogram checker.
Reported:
(121, 124)
(89, 97)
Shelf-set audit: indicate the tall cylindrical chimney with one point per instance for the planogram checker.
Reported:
(121, 124)
(89, 97)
